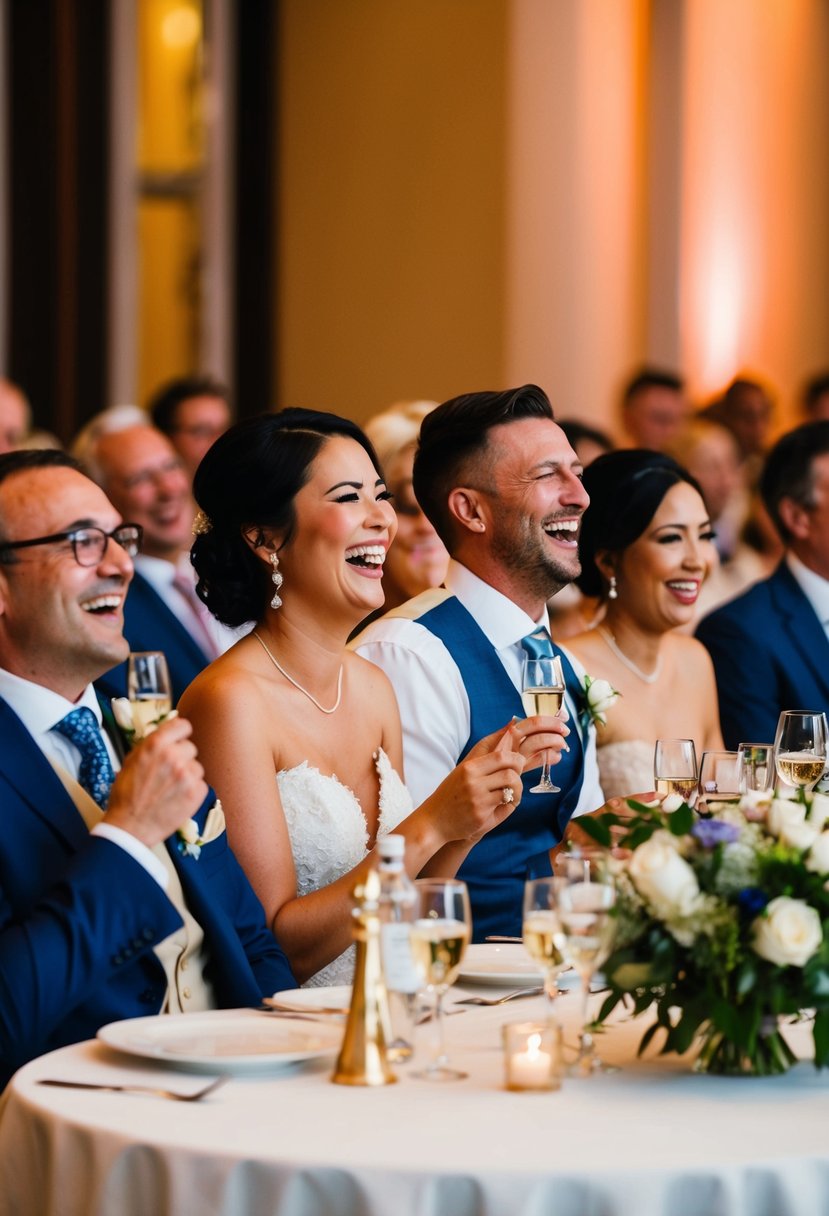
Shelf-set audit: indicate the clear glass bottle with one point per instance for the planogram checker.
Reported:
(397, 911)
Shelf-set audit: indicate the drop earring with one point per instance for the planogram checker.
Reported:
(612, 593)
(276, 579)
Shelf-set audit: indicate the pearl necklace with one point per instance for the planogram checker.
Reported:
(297, 685)
(646, 677)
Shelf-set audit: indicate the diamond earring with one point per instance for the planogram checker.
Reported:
(276, 579)
(612, 593)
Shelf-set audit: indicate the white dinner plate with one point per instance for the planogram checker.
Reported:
(508, 965)
(222, 1040)
(337, 997)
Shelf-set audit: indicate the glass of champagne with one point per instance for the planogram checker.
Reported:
(543, 692)
(719, 781)
(800, 748)
(756, 766)
(541, 934)
(148, 689)
(440, 934)
(585, 898)
(675, 768)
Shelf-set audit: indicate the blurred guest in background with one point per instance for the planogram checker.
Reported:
(646, 548)
(587, 442)
(815, 398)
(143, 477)
(15, 416)
(654, 409)
(746, 409)
(192, 411)
(770, 645)
(417, 559)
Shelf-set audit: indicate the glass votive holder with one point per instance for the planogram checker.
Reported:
(532, 1055)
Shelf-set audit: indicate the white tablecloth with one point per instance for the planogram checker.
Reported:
(651, 1140)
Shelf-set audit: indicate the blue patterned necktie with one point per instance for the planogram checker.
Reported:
(538, 644)
(96, 774)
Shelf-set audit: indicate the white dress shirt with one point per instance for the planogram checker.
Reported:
(40, 709)
(434, 704)
(815, 588)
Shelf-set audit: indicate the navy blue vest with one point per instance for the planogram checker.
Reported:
(497, 867)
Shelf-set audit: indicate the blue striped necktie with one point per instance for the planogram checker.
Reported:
(96, 774)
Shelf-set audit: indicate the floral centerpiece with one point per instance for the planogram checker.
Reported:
(722, 926)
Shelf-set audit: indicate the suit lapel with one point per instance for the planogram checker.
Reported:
(802, 627)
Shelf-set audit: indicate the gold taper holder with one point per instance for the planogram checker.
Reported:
(362, 1059)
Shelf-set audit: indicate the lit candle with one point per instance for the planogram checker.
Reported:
(531, 1056)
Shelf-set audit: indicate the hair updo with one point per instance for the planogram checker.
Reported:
(250, 478)
(626, 489)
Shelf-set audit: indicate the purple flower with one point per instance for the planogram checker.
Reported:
(711, 832)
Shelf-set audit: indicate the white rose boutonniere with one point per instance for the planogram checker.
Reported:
(598, 696)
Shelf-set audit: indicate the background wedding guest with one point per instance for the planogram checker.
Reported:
(143, 477)
(815, 398)
(654, 408)
(299, 735)
(15, 416)
(770, 646)
(502, 486)
(101, 916)
(646, 548)
(747, 410)
(417, 559)
(192, 411)
(587, 442)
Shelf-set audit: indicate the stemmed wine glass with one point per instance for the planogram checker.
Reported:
(800, 747)
(675, 768)
(541, 933)
(148, 688)
(585, 896)
(543, 692)
(756, 766)
(440, 934)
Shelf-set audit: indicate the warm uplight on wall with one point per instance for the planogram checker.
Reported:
(181, 27)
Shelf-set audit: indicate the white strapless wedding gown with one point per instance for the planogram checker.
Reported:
(329, 834)
(626, 767)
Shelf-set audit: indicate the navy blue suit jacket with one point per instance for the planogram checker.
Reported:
(150, 625)
(79, 917)
(770, 653)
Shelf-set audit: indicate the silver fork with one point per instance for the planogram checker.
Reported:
(138, 1089)
(500, 1000)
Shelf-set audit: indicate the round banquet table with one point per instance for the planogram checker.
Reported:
(653, 1139)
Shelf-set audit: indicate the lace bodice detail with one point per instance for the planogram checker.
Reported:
(329, 834)
(626, 767)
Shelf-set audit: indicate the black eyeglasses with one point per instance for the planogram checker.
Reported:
(88, 544)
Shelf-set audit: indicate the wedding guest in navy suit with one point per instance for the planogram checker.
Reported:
(770, 646)
(104, 912)
(143, 477)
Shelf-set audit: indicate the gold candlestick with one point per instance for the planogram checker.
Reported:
(362, 1059)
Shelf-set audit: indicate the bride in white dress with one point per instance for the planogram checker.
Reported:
(645, 548)
(294, 525)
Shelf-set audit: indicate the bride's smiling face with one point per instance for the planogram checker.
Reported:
(344, 526)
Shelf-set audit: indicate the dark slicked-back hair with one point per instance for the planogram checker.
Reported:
(250, 477)
(788, 471)
(454, 435)
(164, 403)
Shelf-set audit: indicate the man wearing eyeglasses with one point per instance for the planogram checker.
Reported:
(102, 914)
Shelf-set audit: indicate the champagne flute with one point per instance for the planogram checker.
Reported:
(719, 781)
(800, 748)
(543, 693)
(756, 766)
(675, 768)
(148, 689)
(541, 932)
(440, 933)
(585, 898)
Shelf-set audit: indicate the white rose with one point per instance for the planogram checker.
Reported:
(755, 804)
(664, 878)
(671, 803)
(798, 835)
(122, 713)
(818, 858)
(784, 812)
(600, 697)
(788, 934)
(189, 832)
(819, 812)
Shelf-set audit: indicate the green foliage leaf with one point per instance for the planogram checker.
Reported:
(681, 821)
(596, 828)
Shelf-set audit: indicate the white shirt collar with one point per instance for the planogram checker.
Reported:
(39, 708)
(815, 588)
(503, 622)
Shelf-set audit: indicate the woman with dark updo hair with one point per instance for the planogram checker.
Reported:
(646, 548)
(299, 736)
